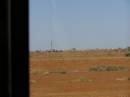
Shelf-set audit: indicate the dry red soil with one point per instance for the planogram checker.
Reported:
(47, 79)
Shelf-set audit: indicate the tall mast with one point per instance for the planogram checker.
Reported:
(51, 45)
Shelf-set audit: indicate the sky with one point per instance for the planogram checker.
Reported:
(81, 24)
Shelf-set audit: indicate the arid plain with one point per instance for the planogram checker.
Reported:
(94, 73)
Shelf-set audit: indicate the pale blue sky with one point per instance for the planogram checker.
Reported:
(80, 24)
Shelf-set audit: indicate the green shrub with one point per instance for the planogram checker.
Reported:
(83, 79)
(127, 54)
(107, 68)
(59, 71)
(128, 78)
(39, 72)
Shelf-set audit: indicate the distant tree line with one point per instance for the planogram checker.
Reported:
(125, 50)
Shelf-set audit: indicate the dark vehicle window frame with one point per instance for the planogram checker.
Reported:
(14, 64)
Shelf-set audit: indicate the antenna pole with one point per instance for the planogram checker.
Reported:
(51, 45)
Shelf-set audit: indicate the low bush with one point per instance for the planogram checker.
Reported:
(128, 78)
(106, 68)
(59, 71)
(82, 79)
(127, 54)
(39, 72)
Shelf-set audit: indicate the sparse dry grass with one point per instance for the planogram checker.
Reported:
(61, 81)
